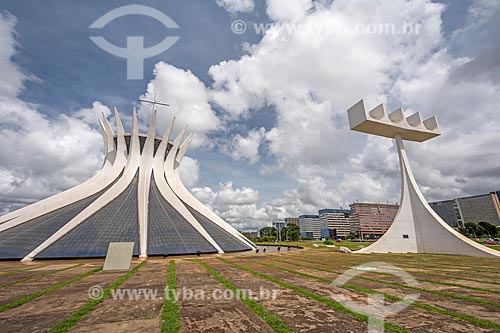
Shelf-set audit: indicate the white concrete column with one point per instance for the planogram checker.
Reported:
(145, 171)
(417, 228)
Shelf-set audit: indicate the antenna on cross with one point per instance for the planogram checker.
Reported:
(153, 102)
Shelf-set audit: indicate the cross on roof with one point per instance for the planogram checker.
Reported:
(153, 102)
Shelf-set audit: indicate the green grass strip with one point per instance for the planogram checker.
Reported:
(273, 321)
(327, 301)
(38, 276)
(437, 275)
(405, 265)
(170, 318)
(30, 297)
(451, 284)
(451, 264)
(470, 319)
(396, 284)
(23, 270)
(72, 320)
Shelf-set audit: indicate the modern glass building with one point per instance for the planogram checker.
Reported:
(475, 209)
(480, 208)
(310, 226)
(371, 220)
(335, 222)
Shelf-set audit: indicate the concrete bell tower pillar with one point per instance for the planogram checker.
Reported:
(416, 227)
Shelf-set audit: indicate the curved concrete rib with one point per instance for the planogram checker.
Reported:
(424, 230)
(109, 141)
(105, 141)
(12, 215)
(145, 171)
(115, 161)
(159, 167)
(175, 182)
(112, 193)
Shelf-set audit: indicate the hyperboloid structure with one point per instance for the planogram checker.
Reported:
(137, 196)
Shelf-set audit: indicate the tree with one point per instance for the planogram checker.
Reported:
(351, 236)
(293, 235)
(464, 231)
(475, 229)
(490, 229)
(290, 232)
(268, 231)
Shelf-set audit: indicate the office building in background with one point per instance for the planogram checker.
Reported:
(371, 220)
(335, 222)
(310, 226)
(475, 209)
(292, 220)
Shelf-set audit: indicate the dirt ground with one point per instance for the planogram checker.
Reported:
(129, 315)
(210, 310)
(207, 314)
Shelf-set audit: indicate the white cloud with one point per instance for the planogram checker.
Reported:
(40, 155)
(188, 99)
(227, 196)
(12, 77)
(236, 6)
(311, 77)
(92, 115)
(241, 207)
(288, 10)
(189, 171)
(246, 148)
(311, 74)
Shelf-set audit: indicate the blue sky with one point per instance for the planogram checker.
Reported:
(54, 46)
(283, 92)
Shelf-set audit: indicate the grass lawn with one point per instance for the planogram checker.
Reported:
(349, 244)
(310, 244)
(455, 293)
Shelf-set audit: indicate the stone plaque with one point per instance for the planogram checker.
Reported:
(119, 256)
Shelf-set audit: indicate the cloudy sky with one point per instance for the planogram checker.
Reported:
(265, 86)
